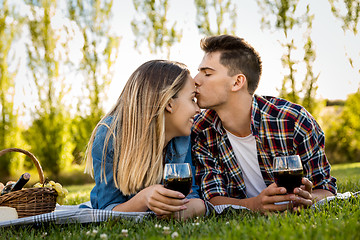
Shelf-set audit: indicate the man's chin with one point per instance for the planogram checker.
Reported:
(203, 106)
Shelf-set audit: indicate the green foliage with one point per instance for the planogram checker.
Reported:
(350, 20)
(50, 141)
(309, 84)
(150, 24)
(282, 12)
(99, 52)
(286, 17)
(48, 135)
(343, 135)
(224, 12)
(81, 129)
(10, 27)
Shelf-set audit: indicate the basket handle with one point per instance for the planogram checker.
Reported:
(30, 155)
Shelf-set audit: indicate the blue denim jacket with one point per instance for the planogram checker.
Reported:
(107, 196)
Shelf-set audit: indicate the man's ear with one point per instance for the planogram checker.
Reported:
(239, 82)
(169, 106)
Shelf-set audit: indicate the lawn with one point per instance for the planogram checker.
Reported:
(336, 220)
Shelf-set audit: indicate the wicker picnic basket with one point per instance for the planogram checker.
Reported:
(30, 201)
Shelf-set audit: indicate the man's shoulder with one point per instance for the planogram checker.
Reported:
(278, 107)
(204, 120)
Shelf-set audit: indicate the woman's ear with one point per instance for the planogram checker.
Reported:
(169, 106)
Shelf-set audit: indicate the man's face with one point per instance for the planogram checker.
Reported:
(213, 82)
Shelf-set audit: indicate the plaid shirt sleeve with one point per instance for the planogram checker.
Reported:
(310, 142)
(208, 171)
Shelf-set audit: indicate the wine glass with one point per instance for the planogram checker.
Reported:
(288, 172)
(178, 177)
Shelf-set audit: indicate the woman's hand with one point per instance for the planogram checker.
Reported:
(163, 201)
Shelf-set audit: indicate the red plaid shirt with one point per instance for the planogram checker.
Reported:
(280, 128)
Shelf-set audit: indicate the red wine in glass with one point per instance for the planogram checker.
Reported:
(178, 177)
(182, 185)
(288, 172)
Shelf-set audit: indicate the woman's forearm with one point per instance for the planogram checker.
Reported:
(135, 204)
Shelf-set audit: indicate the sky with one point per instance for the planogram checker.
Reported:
(336, 80)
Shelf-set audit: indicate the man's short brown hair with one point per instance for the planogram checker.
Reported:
(237, 55)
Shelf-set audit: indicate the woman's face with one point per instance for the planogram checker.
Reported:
(181, 110)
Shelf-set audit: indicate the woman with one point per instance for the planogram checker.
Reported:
(149, 126)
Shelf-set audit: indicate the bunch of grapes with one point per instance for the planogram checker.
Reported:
(61, 191)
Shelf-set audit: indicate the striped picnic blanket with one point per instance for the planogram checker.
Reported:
(73, 214)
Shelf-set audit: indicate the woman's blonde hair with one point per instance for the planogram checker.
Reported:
(138, 125)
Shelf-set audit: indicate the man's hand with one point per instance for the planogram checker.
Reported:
(267, 199)
(271, 199)
(303, 197)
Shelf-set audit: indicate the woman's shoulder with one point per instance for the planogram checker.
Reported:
(101, 135)
(104, 126)
(181, 141)
(178, 148)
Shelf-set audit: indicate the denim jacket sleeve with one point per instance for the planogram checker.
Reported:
(104, 195)
(179, 151)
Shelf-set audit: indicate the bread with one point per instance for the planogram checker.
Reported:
(8, 213)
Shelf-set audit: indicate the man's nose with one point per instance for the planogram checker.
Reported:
(197, 79)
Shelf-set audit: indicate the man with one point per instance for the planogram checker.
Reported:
(236, 139)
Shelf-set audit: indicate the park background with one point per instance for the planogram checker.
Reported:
(64, 63)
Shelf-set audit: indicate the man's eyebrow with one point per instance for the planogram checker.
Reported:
(206, 68)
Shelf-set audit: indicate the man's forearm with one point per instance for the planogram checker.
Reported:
(319, 194)
(246, 202)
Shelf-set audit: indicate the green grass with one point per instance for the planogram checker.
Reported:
(336, 220)
(348, 176)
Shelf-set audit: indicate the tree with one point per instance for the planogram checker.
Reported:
(10, 27)
(99, 53)
(223, 10)
(343, 135)
(48, 135)
(350, 21)
(309, 84)
(286, 17)
(150, 24)
(286, 20)
(351, 17)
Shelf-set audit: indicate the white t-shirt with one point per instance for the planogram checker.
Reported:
(246, 155)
